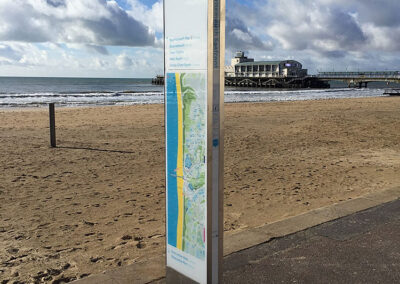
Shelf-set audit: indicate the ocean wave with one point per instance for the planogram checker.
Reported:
(41, 99)
(76, 95)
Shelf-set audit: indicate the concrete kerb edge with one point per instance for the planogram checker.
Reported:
(252, 237)
(237, 241)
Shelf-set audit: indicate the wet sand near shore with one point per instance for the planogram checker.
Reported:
(97, 200)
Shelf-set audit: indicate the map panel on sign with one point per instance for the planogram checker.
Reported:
(186, 165)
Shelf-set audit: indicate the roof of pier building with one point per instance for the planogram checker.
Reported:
(266, 62)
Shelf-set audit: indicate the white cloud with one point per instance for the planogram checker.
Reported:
(382, 37)
(81, 37)
(124, 61)
(240, 37)
(91, 48)
(92, 22)
(9, 54)
(151, 17)
(324, 34)
(97, 48)
(22, 54)
(100, 64)
(329, 27)
(310, 25)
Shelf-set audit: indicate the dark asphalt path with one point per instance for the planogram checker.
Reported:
(360, 248)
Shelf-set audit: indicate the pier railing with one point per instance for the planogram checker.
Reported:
(360, 75)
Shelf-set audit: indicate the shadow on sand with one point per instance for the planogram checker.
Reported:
(94, 149)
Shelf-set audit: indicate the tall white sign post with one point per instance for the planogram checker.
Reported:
(194, 38)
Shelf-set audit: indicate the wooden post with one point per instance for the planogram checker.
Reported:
(52, 125)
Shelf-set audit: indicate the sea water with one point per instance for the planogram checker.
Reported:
(71, 92)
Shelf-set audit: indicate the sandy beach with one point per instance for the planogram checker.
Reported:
(97, 200)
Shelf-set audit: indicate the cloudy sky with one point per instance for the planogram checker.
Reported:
(123, 38)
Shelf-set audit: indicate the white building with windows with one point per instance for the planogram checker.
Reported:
(241, 66)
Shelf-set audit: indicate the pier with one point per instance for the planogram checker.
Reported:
(288, 74)
(246, 72)
(278, 82)
(361, 78)
(353, 79)
(265, 82)
(158, 80)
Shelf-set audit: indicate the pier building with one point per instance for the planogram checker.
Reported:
(242, 66)
(246, 72)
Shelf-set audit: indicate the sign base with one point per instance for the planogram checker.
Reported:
(175, 277)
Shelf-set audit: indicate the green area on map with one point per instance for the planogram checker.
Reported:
(193, 87)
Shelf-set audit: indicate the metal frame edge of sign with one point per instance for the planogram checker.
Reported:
(216, 63)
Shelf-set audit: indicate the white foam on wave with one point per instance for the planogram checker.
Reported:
(299, 95)
(151, 97)
(76, 99)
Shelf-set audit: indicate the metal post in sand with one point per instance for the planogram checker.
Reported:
(52, 126)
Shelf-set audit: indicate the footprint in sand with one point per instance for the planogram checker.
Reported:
(96, 259)
(50, 273)
(126, 237)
